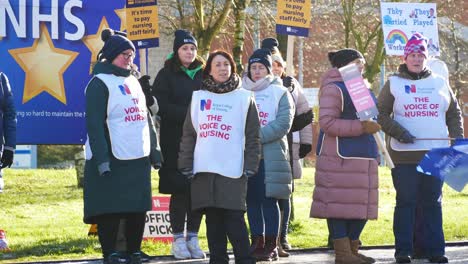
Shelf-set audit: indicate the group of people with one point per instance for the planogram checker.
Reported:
(231, 145)
(346, 179)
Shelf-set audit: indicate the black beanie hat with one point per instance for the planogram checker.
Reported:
(342, 57)
(262, 56)
(115, 42)
(270, 43)
(182, 37)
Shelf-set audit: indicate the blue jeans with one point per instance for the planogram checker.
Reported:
(409, 185)
(285, 208)
(262, 212)
(341, 228)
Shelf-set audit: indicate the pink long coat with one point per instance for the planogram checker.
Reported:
(344, 188)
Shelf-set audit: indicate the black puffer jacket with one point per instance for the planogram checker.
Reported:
(173, 89)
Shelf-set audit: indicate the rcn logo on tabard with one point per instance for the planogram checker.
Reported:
(410, 88)
(205, 104)
(124, 89)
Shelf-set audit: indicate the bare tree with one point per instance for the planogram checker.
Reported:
(240, 16)
(205, 18)
(363, 31)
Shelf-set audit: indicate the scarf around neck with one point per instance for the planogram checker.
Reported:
(258, 85)
(230, 85)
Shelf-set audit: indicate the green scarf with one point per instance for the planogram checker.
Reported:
(190, 73)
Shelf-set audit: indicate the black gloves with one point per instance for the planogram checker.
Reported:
(7, 158)
(406, 137)
(146, 87)
(302, 120)
(288, 83)
(304, 149)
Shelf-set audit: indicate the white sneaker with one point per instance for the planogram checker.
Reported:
(2, 184)
(179, 249)
(194, 248)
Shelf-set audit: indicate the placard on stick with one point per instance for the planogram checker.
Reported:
(363, 102)
(360, 94)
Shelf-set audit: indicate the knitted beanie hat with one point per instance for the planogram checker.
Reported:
(342, 57)
(115, 42)
(262, 56)
(278, 59)
(182, 37)
(270, 43)
(416, 44)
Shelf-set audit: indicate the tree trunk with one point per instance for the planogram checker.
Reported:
(239, 33)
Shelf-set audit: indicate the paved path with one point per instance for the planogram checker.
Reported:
(455, 253)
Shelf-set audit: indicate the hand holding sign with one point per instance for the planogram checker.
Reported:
(364, 104)
(370, 127)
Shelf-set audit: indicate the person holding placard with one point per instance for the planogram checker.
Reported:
(418, 111)
(173, 87)
(221, 125)
(346, 175)
(273, 179)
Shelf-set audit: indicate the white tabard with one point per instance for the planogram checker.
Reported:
(267, 103)
(420, 107)
(219, 120)
(126, 118)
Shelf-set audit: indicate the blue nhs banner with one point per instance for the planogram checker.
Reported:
(47, 49)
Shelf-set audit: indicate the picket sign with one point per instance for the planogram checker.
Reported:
(364, 103)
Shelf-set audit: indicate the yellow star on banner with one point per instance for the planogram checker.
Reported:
(95, 43)
(44, 66)
(121, 13)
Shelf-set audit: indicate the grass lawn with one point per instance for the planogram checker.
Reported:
(41, 212)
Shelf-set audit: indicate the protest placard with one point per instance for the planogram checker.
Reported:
(158, 221)
(142, 23)
(293, 17)
(401, 20)
(364, 102)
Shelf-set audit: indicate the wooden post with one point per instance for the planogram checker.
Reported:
(290, 56)
(143, 69)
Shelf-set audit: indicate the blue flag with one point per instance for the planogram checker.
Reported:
(448, 164)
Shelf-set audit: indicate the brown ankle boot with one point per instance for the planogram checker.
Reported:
(355, 244)
(281, 252)
(271, 249)
(257, 247)
(343, 254)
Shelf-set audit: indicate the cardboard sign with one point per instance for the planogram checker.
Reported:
(158, 222)
(401, 20)
(360, 94)
(142, 23)
(293, 17)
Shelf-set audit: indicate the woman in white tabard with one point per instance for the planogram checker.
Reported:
(273, 179)
(416, 106)
(120, 150)
(219, 150)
